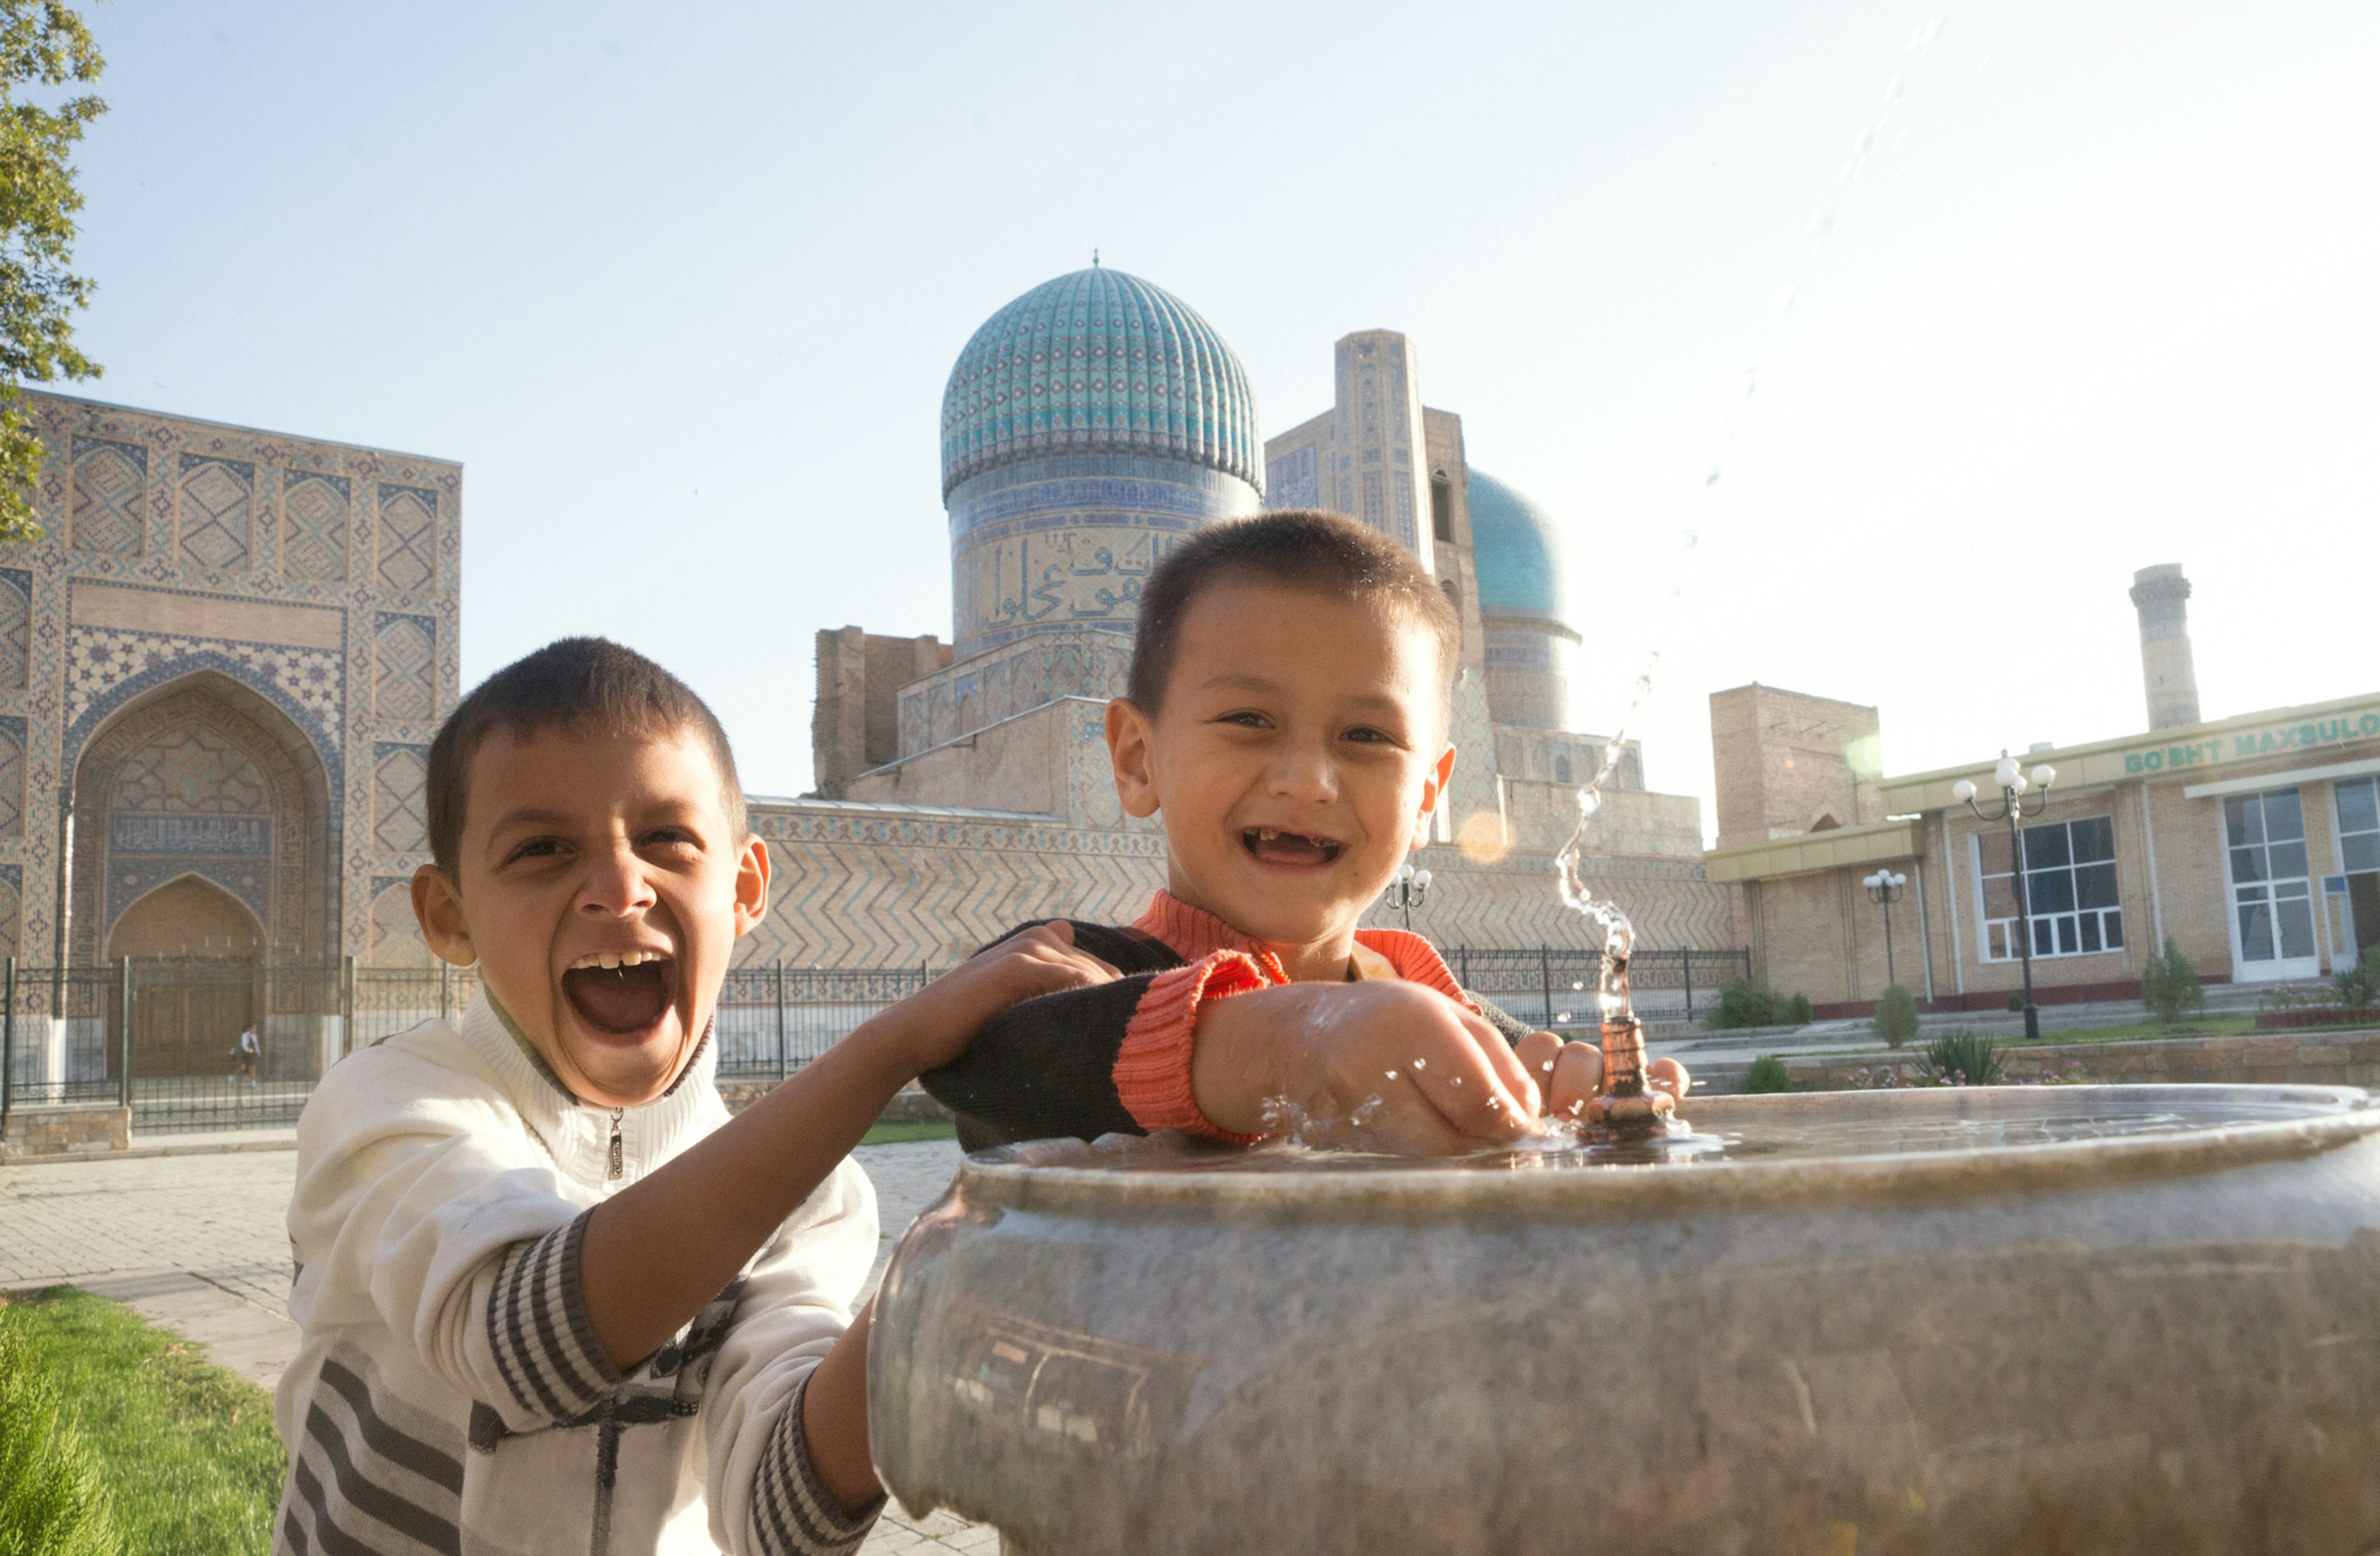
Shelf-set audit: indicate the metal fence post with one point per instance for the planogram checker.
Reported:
(1463, 954)
(1545, 973)
(124, 1016)
(1686, 960)
(347, 1005)
(7, 1043)
(780, 966)
(445, 989)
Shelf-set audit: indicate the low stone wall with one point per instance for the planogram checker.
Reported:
(2326, 1058)
(73, 1129)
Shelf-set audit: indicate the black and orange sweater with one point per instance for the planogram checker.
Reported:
(1114, 1058)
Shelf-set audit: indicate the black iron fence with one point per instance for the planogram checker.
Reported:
(1554, 987)
(164, 1037)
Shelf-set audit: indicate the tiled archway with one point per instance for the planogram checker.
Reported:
(204, 778)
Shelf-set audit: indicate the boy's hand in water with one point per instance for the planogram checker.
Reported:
(1447, 1081)
(935, 1024)
(1568, 1075)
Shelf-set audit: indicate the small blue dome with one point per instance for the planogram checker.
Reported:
(1099, 359)
(1516, 551)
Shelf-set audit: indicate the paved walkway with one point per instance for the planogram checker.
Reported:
(197, 1243)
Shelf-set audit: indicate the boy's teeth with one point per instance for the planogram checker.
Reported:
(612, 960)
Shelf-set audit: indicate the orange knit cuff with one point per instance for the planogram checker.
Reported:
(1152, 1069)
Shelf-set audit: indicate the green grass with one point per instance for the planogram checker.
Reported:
(897, 1134)
(185, 1450)
(50, 1500)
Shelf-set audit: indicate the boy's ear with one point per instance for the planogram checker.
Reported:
(438, 909)
(1433, 794)
(1135, 777)
(751, 884)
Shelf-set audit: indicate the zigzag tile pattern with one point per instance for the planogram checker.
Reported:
(865, 885)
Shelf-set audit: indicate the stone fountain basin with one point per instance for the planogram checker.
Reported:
(2003, 1320)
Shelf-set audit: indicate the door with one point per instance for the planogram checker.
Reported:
(2271, 893)
(2356, 802)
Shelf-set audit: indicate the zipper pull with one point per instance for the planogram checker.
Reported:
(618, 1155)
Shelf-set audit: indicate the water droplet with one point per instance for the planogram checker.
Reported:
(1863, 143)
(1892, 92)
(1575, 985)
(1820, 224)
(1549, 1066)
(1421, 1064)
(1785, 297)
(1454, 1080)
(1392, 1075)
(1712, 478)
(1563, 1016)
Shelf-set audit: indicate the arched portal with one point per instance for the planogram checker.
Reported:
(202, 784)
(189, 916)
(196, 985)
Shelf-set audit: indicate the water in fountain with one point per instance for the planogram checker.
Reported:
(1626, 1101)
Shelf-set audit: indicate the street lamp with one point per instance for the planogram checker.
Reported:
(2009, 775)
(1407, 890)
(1884, 889)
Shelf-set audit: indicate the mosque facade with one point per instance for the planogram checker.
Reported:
(1086, 427)
(220, 667)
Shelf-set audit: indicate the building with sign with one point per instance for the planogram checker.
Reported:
(2251, 842)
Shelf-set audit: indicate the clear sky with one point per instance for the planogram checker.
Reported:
(2025, 294)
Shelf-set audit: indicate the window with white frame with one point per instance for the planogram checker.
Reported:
(2359, 824)
(2270, 891)
(2070, 874)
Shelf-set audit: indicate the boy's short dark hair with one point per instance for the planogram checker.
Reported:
(573, 683)
(1303, 548)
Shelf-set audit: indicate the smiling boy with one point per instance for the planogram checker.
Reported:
(1286, 715)
(552, 1298)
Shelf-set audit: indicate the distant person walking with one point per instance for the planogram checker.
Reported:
(248, 1057)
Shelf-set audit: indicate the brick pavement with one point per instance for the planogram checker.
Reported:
(197, 1243)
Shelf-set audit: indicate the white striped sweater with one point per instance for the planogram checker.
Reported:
(449, 1394)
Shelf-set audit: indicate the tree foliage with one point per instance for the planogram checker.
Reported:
(1896, 1016)
(2170, 984)
(44, 44)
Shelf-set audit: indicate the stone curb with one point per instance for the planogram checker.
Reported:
(136, 1153)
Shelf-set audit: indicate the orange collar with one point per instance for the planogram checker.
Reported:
(1193, 934)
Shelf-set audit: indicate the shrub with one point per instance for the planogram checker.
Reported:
(1896, 1016)
(2016, 1004)
(50, 1500)
(1767, 1074)
(2359, 987)
(1963, 1059)
(1741, 1005)
(1795, 1012)
(2170, 984)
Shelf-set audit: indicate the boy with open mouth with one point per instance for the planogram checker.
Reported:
(551, 1298)
(1287, 717)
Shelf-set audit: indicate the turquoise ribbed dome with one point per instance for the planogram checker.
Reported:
(1516, 551)
(1098, 361)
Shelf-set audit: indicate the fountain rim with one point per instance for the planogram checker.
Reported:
(1425, 1191)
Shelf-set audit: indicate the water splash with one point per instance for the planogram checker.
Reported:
(1319, 1127)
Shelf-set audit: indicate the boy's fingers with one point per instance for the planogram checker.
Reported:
(1537, 1053)
(1515, 1078)
(1411, 1126)
(1578, 1076)
(1470, 1094)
